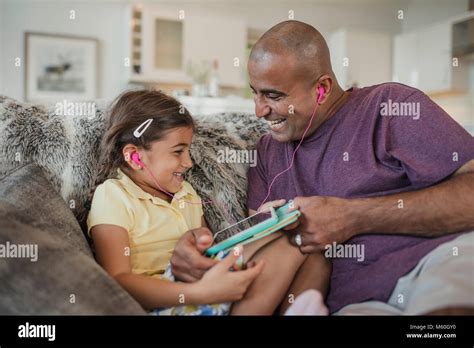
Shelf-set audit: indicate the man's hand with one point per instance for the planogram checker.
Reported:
(323, 220)
(188, 263)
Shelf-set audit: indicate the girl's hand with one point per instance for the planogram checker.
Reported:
(219, 284)
(272, 204)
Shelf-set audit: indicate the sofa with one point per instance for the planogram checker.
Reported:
(47, 166)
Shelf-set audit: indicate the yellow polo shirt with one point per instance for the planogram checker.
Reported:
(153, 225)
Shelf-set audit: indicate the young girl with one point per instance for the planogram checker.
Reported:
(143, 208)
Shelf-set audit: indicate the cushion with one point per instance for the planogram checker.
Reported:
(67, 147)
(61, 277)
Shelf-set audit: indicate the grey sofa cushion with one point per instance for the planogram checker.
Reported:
(65, 279)
(67, 147)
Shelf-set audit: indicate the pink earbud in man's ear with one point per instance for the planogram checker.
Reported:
(136, 158)
(321, 94)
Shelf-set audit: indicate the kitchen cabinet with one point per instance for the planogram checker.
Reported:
(434, 58)
(405, 59)
(202, 39)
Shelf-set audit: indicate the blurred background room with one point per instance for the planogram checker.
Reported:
(197, 50)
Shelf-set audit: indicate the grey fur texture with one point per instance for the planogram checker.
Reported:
(67, 148)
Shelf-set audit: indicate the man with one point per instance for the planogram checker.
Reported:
(397, 185)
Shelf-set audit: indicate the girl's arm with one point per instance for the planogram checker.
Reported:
(218, 284)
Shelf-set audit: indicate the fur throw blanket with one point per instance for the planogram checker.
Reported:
(67, 149)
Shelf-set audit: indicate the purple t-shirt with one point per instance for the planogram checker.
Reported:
(360, 153)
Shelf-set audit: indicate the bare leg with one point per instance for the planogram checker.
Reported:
(282, 260)
(313, 274)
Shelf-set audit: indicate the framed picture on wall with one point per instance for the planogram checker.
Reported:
(60, 67)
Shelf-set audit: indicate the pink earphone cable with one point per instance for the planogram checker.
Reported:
(136, 158)
(294, 152)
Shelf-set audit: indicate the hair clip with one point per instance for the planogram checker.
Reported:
(138, 132)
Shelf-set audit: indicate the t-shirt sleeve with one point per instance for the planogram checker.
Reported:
(429, 144)
(109, 207)
(257, 180)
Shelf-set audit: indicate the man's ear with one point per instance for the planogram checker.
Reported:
(325, 82)
(127, 156)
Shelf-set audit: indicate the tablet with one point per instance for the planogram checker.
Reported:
(250, 229)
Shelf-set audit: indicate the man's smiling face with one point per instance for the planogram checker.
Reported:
(284, 95)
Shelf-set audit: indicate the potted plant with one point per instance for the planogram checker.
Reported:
(199, 73)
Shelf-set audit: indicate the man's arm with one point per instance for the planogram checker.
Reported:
(434, 211)
(441, 209)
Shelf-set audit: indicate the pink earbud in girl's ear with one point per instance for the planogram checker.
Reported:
(321, 94)
(136, 158)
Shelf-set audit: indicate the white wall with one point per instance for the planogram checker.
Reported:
(421, 13)
(368, 55)
(108, 21)
(324, 15)
(105, 21)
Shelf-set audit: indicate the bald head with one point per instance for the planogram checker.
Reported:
(297, 41)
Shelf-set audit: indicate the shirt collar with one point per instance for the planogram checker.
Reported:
(136, 191)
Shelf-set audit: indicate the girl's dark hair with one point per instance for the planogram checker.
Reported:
(128, 112)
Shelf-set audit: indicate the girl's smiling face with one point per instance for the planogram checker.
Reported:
(168, 159)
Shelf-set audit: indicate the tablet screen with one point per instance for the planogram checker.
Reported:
(246, 223)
